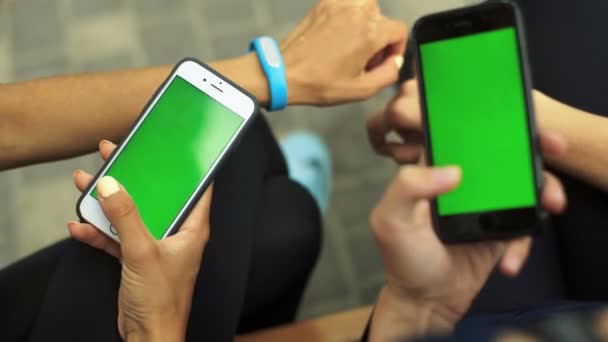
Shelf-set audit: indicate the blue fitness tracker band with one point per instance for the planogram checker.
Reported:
(271, 60)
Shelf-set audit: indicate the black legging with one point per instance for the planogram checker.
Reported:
(265, 240)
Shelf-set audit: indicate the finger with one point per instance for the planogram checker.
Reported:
(552, 144)
(118, 206)
(376, 132)
(395, 36)
(409, 87)
(411, 136)
(378, 59)
(388, 71)
(404, 153)
(93, 237)
(198, 220)
(404, 113)
(422, 161)
(553, 197)
(394, 49)
(515, 256)
(82, 180)
(106, 148)
(383, 75)
(415, 183)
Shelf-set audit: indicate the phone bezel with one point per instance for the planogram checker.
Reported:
(489, 225)
(212, 84)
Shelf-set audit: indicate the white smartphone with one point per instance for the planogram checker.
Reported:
(175, 147)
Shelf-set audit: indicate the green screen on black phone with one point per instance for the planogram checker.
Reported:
(477, 117)
(174, 148)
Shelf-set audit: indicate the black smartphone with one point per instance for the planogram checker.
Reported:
(477, 113)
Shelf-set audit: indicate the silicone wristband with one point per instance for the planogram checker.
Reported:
(271, 61)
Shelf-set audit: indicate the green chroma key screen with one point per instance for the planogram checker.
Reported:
(172, 151)
(478, 120)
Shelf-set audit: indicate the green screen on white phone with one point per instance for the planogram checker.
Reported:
(174, 148)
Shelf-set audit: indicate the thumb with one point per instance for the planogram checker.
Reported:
(119, 208)
(415, 183)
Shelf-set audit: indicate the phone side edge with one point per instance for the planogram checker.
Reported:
(428, 150)
(537, 159)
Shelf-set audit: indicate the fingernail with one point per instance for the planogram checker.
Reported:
(104, 141)
(75, 173)
(512, 263)
(447, 175)
(107, 186)
(399, 61)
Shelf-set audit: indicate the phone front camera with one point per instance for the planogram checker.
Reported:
(204, 80)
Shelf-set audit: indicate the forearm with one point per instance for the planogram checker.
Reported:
(396, 319)
(62, 117)
(586, 135)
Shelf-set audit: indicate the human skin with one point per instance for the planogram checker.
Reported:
(62, 117)
(430, 285)
(586, 133)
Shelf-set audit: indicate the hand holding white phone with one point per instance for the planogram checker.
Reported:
(174, 149)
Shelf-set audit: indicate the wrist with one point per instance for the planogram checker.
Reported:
(303, 88)
(258, 82)
(247, 72)
(397, 316)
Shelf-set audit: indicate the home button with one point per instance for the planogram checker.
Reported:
(113, 230)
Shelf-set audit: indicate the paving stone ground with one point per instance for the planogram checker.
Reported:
(50, 37)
